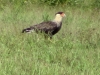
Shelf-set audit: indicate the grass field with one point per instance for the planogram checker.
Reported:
(75, 50)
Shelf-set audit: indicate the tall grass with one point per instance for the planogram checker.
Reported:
(75, 50)
(71, 3)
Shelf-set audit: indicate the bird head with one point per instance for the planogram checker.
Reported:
(60, 14)
(58, 17)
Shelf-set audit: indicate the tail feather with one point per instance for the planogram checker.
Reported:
(27, 30)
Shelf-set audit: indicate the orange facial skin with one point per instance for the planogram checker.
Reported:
(63, 15)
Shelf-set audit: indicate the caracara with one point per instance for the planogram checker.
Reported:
(49, 28)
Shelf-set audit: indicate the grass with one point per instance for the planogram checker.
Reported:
(75, 50)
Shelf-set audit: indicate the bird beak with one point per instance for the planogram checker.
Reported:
(64, 15)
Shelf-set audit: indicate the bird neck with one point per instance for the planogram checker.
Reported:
(58, 19)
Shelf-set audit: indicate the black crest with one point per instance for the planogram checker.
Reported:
(59, 12)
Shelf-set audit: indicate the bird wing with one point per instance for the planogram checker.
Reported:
(46, 26)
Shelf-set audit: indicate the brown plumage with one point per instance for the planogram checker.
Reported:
(50, 27)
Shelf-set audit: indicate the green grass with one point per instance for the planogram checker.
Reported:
(75, 50)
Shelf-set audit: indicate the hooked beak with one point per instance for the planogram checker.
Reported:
(63, 15)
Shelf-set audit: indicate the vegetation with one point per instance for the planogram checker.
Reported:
(71, 3)
(75, 50)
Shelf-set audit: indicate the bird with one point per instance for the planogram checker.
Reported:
(49, 28)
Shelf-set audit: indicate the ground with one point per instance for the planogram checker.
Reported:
(75, 50)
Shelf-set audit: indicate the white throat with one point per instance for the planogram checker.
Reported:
(58, 18)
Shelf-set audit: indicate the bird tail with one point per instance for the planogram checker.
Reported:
(27, 30)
